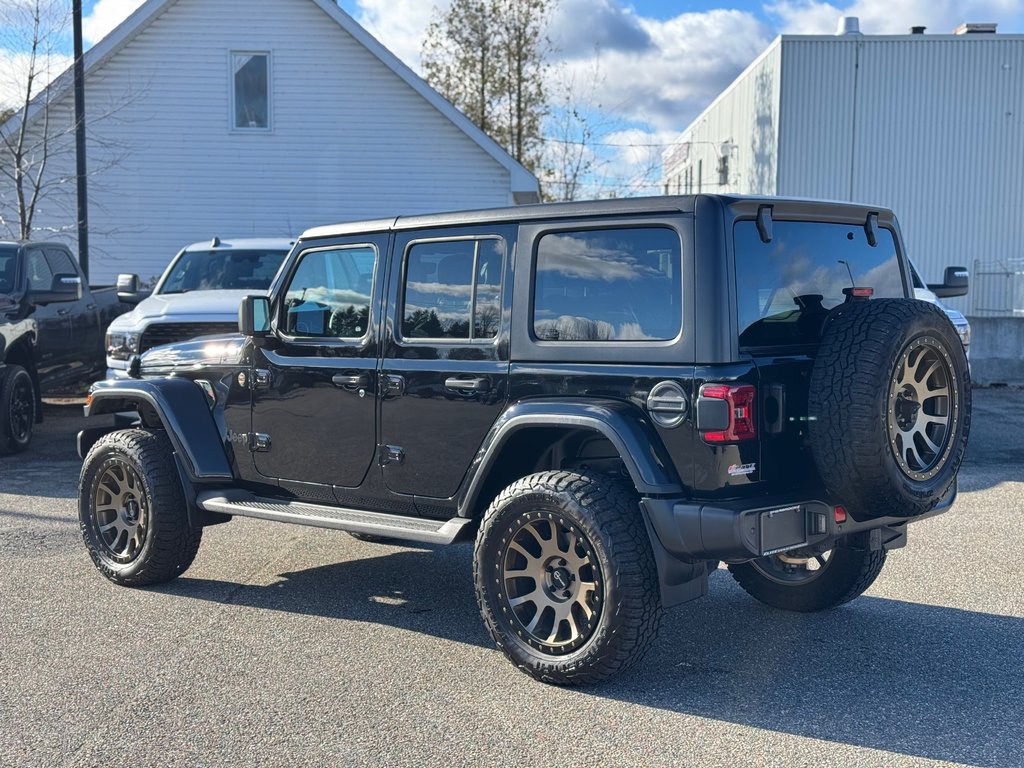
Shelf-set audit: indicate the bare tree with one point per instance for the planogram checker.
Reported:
(33, 31)
(570, 164)
(37, 125)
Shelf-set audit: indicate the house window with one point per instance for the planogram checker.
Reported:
(250, 91)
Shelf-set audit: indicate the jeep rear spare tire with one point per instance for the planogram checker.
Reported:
(889, 407)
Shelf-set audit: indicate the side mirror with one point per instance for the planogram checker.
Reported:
(128, 289)
(954, 283)
(63, 287)
(254, 316)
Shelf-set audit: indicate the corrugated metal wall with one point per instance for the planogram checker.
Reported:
(746, 118)
(931, 126)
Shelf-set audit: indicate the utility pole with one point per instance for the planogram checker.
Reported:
(83, 200)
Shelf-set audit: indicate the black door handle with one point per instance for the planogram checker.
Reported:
(353, 380)
(467, 385)
(63, 312)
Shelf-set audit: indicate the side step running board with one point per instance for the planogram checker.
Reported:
(321, 516)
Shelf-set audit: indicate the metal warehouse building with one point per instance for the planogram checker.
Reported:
(931, 126)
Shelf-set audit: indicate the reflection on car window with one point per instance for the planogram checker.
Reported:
(329, 294)
(8, 266)
(247, 270)
(453, 290)
(786, 287)
(40, 276)
(608, 285)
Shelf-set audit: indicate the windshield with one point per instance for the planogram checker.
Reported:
(250, 270)
(8, 266)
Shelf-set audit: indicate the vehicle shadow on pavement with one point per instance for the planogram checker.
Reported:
(920, 680)
(427, 589)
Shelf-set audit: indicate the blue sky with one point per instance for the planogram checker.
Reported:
(640, 71)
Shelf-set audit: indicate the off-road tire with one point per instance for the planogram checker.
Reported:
(604, 517)
(846, 575)
(169, 544)
(17, 409)
(863, 365)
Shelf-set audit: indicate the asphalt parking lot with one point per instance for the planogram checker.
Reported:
(289, 646)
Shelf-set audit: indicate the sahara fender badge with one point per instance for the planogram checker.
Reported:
(742, 469)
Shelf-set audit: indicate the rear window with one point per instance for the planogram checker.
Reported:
(785, 288)
(608, 285)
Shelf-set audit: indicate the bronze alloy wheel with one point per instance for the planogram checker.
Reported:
(551, 583)
(120, 512)
(921, 412)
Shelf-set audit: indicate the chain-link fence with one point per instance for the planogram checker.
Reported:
(997, 288)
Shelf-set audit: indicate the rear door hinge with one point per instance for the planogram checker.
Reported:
(391, 454)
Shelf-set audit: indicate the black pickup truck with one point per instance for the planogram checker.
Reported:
(611, 398)
(51, 332)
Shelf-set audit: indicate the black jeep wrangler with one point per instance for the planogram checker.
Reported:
(612, 397)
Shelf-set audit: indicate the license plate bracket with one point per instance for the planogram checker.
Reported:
(783, 529)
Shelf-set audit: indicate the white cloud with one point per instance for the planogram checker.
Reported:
(883, 17)
(14, 69)
(106, 15)
(399, 24)
(689, 60)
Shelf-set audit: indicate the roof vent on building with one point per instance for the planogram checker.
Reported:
(917, 30)
(848, 25)
(975, 29)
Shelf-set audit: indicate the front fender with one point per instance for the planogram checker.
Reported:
(625, 426)
(185, 413)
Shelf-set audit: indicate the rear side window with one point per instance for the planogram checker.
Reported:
(453, 290)
(608, 285)
(785, 288)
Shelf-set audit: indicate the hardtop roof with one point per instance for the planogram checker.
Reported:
(634, 206)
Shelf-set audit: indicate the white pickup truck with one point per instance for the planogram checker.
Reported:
(197, 295)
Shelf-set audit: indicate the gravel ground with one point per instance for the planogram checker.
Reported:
(288, 646)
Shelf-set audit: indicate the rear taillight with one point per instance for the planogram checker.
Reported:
(740, 400)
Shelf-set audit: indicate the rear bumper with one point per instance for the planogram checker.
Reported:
(749, 528)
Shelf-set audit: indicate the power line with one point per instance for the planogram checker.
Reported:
(607, 144)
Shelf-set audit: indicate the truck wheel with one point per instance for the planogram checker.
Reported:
(889, 407)
(565, 577)
(17, 409)
(810, 584)
(132, 510)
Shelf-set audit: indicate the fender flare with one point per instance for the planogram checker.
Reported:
(185, 413)
(625, 426)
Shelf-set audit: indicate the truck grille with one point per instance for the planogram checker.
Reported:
(169, 333)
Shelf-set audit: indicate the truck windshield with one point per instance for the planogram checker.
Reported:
(784, 288)
(8, 265)
(249, 270)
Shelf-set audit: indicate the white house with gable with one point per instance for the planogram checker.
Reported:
(240, 119)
